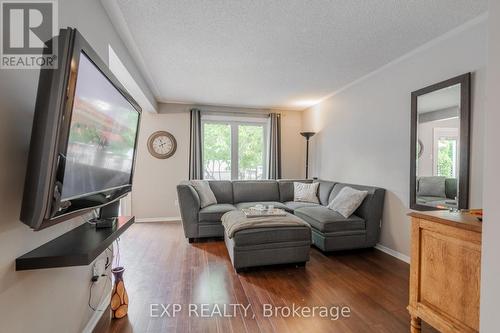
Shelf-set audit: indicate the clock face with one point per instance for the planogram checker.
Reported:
(162, 144)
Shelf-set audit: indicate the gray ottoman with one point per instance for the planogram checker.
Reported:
(269, 245)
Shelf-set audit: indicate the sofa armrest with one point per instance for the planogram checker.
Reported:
(189, 204)
(371, 212)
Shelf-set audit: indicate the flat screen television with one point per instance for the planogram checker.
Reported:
(84, 137)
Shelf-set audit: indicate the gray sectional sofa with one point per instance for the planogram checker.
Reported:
(437, 191)
(330, 230)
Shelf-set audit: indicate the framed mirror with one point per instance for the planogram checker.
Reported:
(440, 143)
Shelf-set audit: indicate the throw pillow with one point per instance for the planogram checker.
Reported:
(433, 186)
(347, 201)
(207, 197)
(304, 192)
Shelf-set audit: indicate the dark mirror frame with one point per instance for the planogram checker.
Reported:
(465, 121)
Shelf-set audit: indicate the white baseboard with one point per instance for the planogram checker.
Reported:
(96, 316)
(158, 219)
(393, 253)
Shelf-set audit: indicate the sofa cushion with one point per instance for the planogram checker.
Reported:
(304, 192)
(205, 193)
(286, 188)
(277, 204)
(432, 186)
(436, 201)
(293, 205)
(373, 203)
(325, 188)
(223, 190)
(347, 201)
(451, 188)
(274, 235)
(427, 198)
(327, 220)
(251, 191)
(213, 213)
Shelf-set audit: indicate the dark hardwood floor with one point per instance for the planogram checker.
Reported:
(162, 268)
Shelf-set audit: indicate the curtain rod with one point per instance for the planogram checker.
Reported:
(244, 113)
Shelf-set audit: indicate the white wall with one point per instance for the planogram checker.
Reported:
(293, 146)
(364, 130)
(490, 272)
(154, 191)
(155, 180)
(49, 300)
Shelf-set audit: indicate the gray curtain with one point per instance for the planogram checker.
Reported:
(195, 162)
(274, 161)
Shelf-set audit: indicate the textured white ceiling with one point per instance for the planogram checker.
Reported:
(279, 53)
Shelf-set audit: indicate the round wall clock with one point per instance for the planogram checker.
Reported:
(420, 148)
(162, 144)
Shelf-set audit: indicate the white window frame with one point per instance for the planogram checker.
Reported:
(234, 122)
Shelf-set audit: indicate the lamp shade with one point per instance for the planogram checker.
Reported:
(307, 135)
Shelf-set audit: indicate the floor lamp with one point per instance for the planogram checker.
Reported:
(307, 135)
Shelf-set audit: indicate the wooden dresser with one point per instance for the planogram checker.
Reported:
(445, 271)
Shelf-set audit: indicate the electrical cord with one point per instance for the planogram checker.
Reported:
(96, 278)
(95, 215)
(109, 262)
(117, 256)
(106, 266)
(90, 293)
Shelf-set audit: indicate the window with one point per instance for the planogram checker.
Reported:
(446, 152)
(251, 151)
(447, 158)
(216, 151)
(234, 147)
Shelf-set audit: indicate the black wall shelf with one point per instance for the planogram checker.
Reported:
(78, 247)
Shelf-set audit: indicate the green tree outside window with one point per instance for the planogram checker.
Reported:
(446, 152)
(216, 150)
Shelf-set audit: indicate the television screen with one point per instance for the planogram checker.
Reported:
(83, 140)
(102, 136)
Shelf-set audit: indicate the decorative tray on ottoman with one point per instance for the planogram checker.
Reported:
(259, 212)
